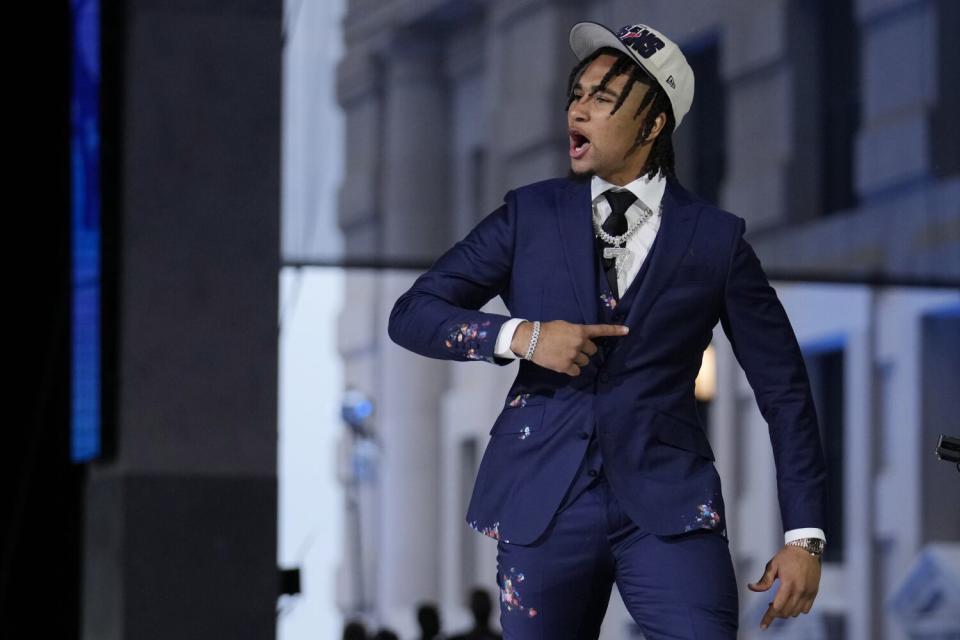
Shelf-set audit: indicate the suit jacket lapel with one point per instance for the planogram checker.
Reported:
(576, 235)
(676, 231)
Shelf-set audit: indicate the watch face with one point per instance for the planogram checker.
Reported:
(816, 545)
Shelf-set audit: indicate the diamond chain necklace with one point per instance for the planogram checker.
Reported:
(622, 255)
(616, 241)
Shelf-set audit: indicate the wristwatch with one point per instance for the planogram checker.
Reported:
(813, 546)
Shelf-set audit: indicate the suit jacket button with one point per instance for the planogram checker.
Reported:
(603, 377)
(593, 473)
(584, 435)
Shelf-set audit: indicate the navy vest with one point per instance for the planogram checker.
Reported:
(612, 311)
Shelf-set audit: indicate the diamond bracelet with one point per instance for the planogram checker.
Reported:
(533, 340)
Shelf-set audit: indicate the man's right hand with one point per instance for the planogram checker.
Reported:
(563, 346)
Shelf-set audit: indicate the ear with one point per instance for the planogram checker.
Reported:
(658, 124)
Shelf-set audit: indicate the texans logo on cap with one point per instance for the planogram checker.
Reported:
(639, 38)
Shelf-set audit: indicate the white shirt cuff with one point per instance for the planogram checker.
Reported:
(505, 338)
(796, 534)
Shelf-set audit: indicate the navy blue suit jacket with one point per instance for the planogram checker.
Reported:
(536, 251)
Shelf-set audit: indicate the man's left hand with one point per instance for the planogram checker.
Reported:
(799, 574)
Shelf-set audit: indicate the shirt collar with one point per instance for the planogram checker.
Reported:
(649, 191)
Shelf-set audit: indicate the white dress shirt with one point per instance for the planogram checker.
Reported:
(649, 192)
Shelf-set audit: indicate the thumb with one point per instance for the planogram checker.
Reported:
(766, 580)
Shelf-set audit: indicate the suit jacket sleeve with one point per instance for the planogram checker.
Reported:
(439, 315)
(766, 348)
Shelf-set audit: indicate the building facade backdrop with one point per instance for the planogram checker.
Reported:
(829, 131)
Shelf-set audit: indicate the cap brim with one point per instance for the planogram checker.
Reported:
(587, 37)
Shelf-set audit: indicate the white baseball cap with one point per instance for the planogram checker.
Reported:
(656, 54)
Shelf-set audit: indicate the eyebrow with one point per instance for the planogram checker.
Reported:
(596, 88)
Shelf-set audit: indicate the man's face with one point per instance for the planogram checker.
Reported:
(599, 141)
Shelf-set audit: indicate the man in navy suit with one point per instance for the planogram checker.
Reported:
(598, 470)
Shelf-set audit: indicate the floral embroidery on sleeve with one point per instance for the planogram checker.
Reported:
(466, 337)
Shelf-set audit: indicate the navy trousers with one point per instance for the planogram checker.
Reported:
(558, 587)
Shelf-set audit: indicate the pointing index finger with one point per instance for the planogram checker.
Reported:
(768, 617)
(595, 330)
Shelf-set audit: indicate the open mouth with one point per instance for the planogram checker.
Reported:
(579, 144)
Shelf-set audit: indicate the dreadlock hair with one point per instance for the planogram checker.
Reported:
(661, 154)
